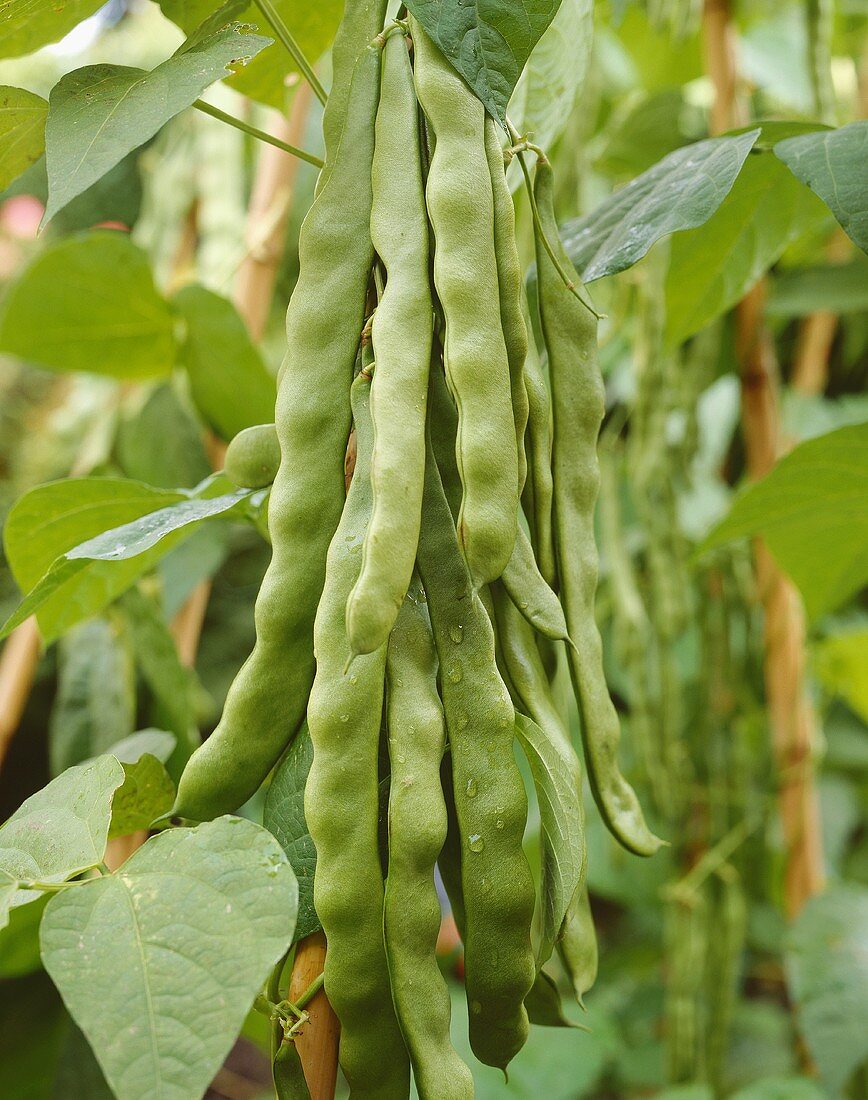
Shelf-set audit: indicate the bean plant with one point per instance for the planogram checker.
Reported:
(432, 447)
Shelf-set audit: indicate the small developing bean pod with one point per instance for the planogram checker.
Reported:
(570, 334)
(253, 457)
(266, 702)
(401, 335)
(490, 799)
(417, 831)
(341, 807)
(461, 212)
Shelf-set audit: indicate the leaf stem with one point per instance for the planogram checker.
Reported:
(260, 135)
(311, 991)
(282, 31)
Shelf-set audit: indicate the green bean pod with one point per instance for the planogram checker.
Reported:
(577, 947)
(341, 807)
(509, 282)
(417, 832)
(266, 702)
(461, 211)
(490, 799)
(530, 593)
(569, 330)
(253, 457)
(538, 489)
(401, 337)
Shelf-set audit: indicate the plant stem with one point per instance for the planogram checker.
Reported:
(292, 47)
(260, 135)
(311, 991)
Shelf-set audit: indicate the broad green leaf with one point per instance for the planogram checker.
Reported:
(640, 132)
(841, 661)
(832, 164)
(100, 113)
(61, 830)
(544, 1003)
(558, 781)
(88, 303)
(781, 1088)
(25, 25)
(284, 816)
(146, 793)
(827, 968)
(95, 705)
(198, 913)
(713, 266)
(22, 131)
(159, 442)
(265, 77)
(551, 80)
(681, 192)
(839, 288)
(132, 549)
(157, 743)
(228, 380)
(487, 41)
(812, 510)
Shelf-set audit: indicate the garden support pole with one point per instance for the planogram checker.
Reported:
(790, 713)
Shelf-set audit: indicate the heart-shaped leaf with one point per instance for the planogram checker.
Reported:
(100, 113)
(193, 921)
(487, 41)
(61, 830)
(25, 25)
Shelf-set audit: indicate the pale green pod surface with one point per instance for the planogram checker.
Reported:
(253, 457)
(401, 339)
(490, 799)
(417, 831)
(570, 333)
(538, 489)
(341, 807)
(461, 211)
(530, 593)
(577, 947)
(509, 281)
(267, 699)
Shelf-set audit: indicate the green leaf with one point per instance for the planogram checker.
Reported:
(812, 510)
(19, 942)
(89, 303)
(680, 192)
(160, 443)
(713, 266)
(147, 793)
(195, 917)
(228, 380)
(100, 113)
(544, 1005)
(832, 164)
(95, 705)
(551, 80)
(157, 743)
(22, 131)
(558, 781)
(840, 661)
(839, 288)
(487, 41)
(265, 78)
(61, 830)
(284, 816)
(827, 968)
(781, 1088)
(28, 24)
(8, 890)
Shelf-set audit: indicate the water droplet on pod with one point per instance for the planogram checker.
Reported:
(475, 842)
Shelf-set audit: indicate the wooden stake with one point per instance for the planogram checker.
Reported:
(318, 1042)
(18, 663)
(790, 714)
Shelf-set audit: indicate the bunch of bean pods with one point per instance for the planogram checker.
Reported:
(408, 611)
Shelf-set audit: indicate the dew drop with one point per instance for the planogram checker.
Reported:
(476, 1008)
(455, 674)
(354, 679)
(475, 842)
(499, 823)
(472, 788)
(456, 633)
(345, 718)
(463, 721)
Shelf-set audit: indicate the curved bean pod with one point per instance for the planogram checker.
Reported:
(570, 333)
(538, 489)
(341, 807)
(267, 699)
(417, 831)
(461, 211)
(490, 798)
(401, 336)
(530, 593)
